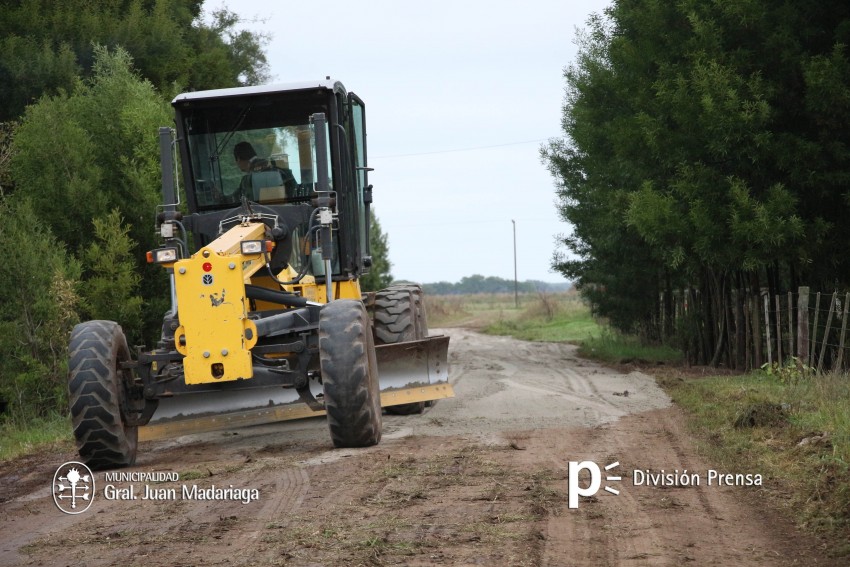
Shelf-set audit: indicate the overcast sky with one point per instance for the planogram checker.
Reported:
(459, 97)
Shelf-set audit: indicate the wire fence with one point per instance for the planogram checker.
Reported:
(818, 338)
(752, 329)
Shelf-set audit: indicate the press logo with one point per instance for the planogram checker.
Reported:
(595, 480)
(73, 488)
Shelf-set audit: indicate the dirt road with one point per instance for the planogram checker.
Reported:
(481, 479)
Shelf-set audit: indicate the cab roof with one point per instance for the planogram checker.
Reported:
(327, 83)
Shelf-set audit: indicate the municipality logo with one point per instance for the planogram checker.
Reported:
(73, 488)
(595, 480)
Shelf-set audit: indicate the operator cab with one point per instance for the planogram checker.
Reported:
(254, 149)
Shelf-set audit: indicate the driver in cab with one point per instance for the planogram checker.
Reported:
(259, 173)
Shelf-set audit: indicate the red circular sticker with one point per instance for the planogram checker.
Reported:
(207, 267)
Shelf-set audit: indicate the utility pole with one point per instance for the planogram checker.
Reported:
(516, 285)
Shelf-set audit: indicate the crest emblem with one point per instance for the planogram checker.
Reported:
(73, 488)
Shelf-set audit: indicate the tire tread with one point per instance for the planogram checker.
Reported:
(96, 349)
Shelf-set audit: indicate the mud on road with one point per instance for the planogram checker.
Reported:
(480, 479)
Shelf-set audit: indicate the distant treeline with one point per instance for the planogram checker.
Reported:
(481, 284)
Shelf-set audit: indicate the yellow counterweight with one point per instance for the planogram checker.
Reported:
(215, 334)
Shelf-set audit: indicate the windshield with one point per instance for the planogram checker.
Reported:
(253, 151)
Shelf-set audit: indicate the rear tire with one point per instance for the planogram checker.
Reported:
(399, 315)
(98, 388)
(349, 374)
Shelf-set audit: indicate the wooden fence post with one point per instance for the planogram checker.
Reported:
(766, 300)
(803, 324)
(754, 315)
(826, 332)
(790, 325)
(740, 332)
(839, 363)
(813, 343)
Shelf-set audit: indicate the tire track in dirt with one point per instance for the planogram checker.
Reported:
(501, 384)
(282, 499)
(660, 525)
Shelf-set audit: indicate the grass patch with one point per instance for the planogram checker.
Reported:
(20, 437)
(474, 311)
(797, 435)
(568, 328)
(547, 317)
(615, 348)
(556, 317)
(194, 475)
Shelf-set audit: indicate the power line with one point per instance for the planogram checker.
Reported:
(462, 149)
(387, 227)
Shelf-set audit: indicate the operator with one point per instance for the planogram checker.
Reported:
(248, 162)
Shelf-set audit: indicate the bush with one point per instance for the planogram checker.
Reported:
(38, 301)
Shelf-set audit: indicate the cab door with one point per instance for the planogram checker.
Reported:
(357, 140)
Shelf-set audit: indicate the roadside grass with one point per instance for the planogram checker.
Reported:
(22, 436)
(616, 348)
(475, 311)
(539, 317)
(556, 317)
(795, 433)
(553, 318)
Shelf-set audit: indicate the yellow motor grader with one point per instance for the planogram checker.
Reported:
(267, 320)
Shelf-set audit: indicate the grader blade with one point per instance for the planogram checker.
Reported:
(414, 371)
(409, 372)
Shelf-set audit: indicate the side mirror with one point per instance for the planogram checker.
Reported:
(166, 160)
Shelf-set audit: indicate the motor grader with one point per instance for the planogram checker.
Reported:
(263, 251)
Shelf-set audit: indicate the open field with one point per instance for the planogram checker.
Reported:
(553, 317)
(545, 316)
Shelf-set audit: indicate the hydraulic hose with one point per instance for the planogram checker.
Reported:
(272, 296)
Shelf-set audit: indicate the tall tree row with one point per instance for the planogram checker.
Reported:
(46, 45)
(706, 147)
(84, 87)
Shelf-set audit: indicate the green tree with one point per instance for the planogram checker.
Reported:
(45, 45)
(37, 311)
(7, 134)
(112, 277)
(80, 156)
(379, 275)
(706, 147)
(595, 168)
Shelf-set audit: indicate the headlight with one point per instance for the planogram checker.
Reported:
(252, 247)
(162, 256)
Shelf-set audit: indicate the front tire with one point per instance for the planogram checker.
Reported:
(98, 390)
(349, 374)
